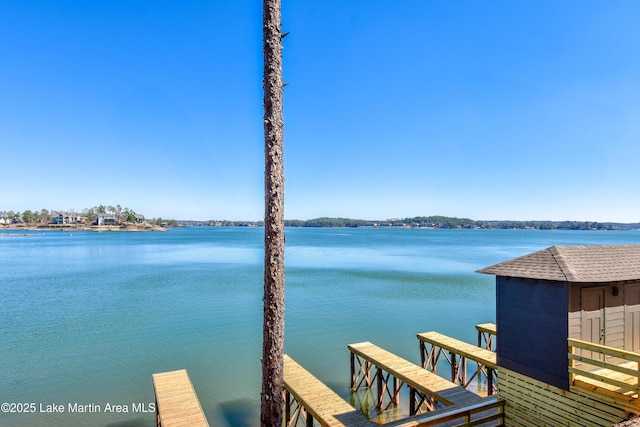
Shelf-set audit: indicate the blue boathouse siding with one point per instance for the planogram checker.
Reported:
(532, 323)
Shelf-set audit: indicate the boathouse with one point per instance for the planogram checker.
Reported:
(588, 293)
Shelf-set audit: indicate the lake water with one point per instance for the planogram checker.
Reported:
(87, 317)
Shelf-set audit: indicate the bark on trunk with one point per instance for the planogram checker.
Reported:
(273, 327)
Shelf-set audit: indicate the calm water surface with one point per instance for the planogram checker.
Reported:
(87, 317)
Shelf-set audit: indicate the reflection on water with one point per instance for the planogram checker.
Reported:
(88, 317)
(241, 412)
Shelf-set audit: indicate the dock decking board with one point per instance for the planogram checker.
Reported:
(612, 391)
(326, 406)
(177, 404)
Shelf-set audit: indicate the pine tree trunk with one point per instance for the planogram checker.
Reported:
(273, 327)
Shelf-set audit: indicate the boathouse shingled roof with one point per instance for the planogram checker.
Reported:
(598, 263)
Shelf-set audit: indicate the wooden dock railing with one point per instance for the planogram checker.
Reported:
(486, 334)
(309, 402)
(605, 370)
(457, 353)
(427, 391)
(488, 412)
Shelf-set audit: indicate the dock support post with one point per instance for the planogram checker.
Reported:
(396, 395)
(489, 381)
(454, 367)
(353, 371)
(360, 372)
(379, 389)
(480, 367)
(412, 401)
(157, 413)
(572, 364)
(287, 408)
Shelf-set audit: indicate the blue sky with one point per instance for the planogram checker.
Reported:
(482, 109)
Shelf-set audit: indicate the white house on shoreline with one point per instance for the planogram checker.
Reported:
(67, 218)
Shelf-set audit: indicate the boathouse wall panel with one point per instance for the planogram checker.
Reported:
(533, 329)
(614, 335)
(632, 316)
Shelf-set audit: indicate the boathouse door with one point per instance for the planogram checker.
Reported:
(632, 317)
(593, 326)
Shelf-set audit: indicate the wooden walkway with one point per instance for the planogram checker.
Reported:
(620, 387)
(177, 404)
(426, 389)
(611, 373)
(434, 344)
(308, 398)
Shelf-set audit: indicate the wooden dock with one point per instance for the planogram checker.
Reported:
(426, 389)
(470, 351)
(177, 404)
(618, 383)
(611, 373)
(486, 334)
(307, 398)
(433, 345)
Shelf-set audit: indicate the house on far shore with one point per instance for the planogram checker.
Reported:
(66, 218)
(105, 220)
(139, 219)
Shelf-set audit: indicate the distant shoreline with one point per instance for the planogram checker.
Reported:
(422, 222)
(429, 222)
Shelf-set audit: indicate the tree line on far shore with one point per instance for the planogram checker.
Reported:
(435, 221)
(438, 221)
(126, 215)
